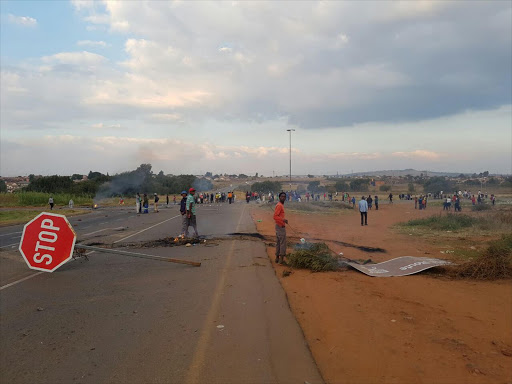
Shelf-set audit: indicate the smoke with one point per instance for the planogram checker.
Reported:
(121, 185)
(202, 185)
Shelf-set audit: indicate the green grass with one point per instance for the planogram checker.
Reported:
(12, 217)
(449, 222)
(316, 258)
(40, 199)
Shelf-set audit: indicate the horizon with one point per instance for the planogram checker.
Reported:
(423, 85)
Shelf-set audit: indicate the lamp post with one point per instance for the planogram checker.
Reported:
(290, 130)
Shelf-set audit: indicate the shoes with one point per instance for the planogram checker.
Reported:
(361, 225)
(277, 260)
(283, 263)
(365, 223)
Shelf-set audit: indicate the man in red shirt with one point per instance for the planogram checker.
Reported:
(280, 228)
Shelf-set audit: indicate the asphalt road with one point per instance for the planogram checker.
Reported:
(117, 319)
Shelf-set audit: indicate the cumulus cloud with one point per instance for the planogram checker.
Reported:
(24, 21)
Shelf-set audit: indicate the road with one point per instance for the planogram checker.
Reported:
(116, 319)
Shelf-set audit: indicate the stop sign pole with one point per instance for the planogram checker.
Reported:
(47, 242)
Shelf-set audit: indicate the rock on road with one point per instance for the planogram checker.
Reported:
(116, 319)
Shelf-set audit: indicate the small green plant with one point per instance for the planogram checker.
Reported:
(316, 257)
(385, 188)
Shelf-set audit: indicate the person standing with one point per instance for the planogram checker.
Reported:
(280, 229)
(137, 203)
(167, 197)
(353, 201)
(191, 212)
(390, 198)
(363, 209)
(145, 201)
(50, 201)
(376, 203)
(183, 211)
(156, 202)
(369, 200)
(415, 202)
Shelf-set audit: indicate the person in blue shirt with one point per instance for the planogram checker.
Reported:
(363, 209)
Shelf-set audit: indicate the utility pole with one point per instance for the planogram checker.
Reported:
(290, 130)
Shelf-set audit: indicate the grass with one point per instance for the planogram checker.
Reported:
(493, 221)
(317, 258)
(40, 199)
(24, 216)
(449, 222)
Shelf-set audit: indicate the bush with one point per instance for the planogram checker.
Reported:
(481, 207)
(315, 257)
(385, 188)
(494, 263)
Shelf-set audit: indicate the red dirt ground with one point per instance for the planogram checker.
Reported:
(412, 329)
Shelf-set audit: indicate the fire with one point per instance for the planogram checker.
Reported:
(95, 206)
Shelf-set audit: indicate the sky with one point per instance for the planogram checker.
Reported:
(192, 87)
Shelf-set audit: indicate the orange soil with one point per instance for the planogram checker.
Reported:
(412, 329)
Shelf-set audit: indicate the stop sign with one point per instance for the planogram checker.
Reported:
(47, 242)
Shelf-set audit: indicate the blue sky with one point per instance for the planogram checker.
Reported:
(213, 86)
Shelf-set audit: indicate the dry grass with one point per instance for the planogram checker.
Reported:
(493, 264)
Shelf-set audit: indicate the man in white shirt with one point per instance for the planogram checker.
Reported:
(363, 209)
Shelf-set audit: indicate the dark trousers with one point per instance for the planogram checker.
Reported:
(365, 215)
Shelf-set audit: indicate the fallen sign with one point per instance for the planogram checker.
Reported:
(401, 266)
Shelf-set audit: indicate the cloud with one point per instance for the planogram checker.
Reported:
(75, 58)
(24, 21)
(422, 154)
(91, 43)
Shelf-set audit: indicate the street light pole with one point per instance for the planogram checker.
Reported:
(290, 130)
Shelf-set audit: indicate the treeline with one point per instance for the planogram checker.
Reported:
(141, 180)
(356, 185)
(266, 186)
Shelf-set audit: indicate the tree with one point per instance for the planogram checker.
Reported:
(359, 185)
(310, 176)
(208, 174)
(438, 184)
(341, 186)
(410, 188)
(75, 176)
(385, 188)
(3, 186)
(313, 186)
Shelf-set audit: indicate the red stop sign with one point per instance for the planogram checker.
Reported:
(47, 242)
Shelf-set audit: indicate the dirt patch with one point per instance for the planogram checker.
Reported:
(413, 329)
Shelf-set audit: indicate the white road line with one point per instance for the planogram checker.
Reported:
(31, 276)
(12, 233)
(104, 222)
(9, 245)
(100, 230)
(20, 280)
(144, 230)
